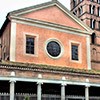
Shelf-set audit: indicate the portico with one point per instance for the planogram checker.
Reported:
(41, 89)
(39, 83)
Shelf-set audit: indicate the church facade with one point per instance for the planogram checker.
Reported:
(46, 54)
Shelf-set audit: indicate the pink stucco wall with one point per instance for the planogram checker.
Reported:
(54, 15)
(42, 57)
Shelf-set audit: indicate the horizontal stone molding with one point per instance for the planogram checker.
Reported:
(50, 69)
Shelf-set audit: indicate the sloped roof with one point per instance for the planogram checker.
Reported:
(18, 13)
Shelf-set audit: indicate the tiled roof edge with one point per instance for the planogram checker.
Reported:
(49, 68)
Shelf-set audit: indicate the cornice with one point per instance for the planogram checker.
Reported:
(50, 69)
(49, 25)
(50, 4)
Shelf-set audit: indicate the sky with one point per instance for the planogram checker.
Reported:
(7, 6)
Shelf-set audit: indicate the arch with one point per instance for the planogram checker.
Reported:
(98, 11)
(92, 23)
(74, 3)
(93, 38)
(92, 9)
(80, 10)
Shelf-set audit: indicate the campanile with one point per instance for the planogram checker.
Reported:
(89, 12)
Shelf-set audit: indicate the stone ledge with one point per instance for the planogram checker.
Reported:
(48, 68)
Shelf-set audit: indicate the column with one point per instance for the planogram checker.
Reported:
(39, 90)
(62, 92)
(86, 92)
(12, 90)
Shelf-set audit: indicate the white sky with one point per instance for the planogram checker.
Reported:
(9, 5)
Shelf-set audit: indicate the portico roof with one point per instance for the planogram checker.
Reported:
(50, 74)
(49, 68)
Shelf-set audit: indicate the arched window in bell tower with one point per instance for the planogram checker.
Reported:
(98, 11)
(92, 23)
(74, 3)
(75, 12)
(92, 9)
(80, 10)
(93, 38)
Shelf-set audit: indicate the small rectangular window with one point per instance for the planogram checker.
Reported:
(74, 53)
(30, 45)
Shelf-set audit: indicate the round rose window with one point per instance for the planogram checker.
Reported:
(53, 48)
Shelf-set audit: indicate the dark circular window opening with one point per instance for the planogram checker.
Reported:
(53, 48)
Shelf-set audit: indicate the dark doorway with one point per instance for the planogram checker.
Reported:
(25, 87)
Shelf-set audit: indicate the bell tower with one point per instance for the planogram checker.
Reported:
(89, 12)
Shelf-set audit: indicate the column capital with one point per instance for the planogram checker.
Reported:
(12, 80)
(39, 82)
(63, 81)
(87, 86)
(63, 84)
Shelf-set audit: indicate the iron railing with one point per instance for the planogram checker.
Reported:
(21, 96)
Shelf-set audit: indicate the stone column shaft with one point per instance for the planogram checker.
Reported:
(87, 93)
(12, 90)
(63, 92)
(39, 91)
